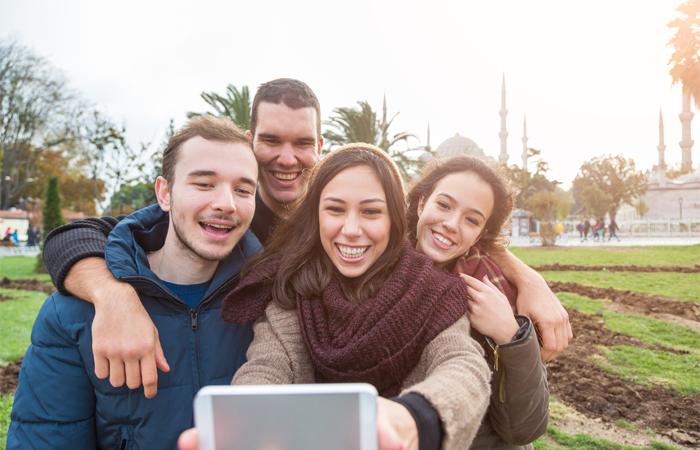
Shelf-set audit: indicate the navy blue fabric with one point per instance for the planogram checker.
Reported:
(60, 403)
(191, 294)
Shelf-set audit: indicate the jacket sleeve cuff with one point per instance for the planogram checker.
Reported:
(430, 432)
(68, 244)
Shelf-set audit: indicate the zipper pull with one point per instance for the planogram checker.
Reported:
(194, 319)
(495, 355)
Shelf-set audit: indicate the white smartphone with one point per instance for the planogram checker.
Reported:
(287, 417)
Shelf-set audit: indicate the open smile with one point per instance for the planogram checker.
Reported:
(352, 254)
(286, 178)
(217, 230)
(442, 241)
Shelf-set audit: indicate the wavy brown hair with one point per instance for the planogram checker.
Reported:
(295, 245)
(504, 193)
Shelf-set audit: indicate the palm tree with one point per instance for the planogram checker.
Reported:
(685, 61)
(362, 125)
(235, 106)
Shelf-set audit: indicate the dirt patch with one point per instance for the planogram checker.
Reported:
(649, 304)
(568, 267)
(3, 298)
(8, 377)
(578, 382)
(29, 284)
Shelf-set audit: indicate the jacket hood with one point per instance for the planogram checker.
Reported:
(145, 230)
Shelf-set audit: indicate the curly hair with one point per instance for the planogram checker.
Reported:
(504, 193)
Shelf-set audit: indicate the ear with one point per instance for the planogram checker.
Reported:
(320, 147)
(249, 134)
(163, 193)
(421, 205)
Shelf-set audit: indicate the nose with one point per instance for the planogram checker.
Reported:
(352, 228)
(287, 158)
(224, 201)
(450, 222)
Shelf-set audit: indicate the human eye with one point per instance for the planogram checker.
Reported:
(244, 192)
(372, 211)
(334, 209)
(443, 205)
(203, 185)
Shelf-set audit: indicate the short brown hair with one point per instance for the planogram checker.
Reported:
(208, 127)
(504, 193)
(304, 266)
(293, 93)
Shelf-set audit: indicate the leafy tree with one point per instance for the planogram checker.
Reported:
(641, 207)
(544, 205)
(677, 170)
(361, 125)
(616, 176)
(235, 105)
(52, 216)
(37, 113)
(131, 198)
(685, 60)
(531, 183)
(595, 200)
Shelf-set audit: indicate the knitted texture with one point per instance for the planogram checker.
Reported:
(68, 244)
(478, 263)
(377, 342)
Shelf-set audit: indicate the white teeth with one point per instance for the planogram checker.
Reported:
(213, 225)
(443, 240)
(352, 252)
(286, 176)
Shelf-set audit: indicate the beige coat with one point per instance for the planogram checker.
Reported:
(451, 374)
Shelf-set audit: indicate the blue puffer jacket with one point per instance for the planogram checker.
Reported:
(61, 404)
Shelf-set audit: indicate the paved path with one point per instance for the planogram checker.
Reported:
(624, 242)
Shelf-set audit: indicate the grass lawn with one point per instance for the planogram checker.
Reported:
(5, 408)
(586, 442)
(14, 267)
(682, 286)
(681, 255)
(16, 320)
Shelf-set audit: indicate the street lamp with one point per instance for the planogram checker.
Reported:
(680, 205)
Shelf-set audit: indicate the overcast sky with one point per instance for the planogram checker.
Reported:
(591, 76)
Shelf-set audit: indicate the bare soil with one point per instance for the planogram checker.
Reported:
(29, 284)
(8, 377)
(556, 267)
(649, 304)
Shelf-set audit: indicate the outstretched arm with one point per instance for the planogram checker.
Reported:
(126, 346)
(536, 301)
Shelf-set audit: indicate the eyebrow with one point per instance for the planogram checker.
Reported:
(369, 200)
(304, 139)
(211, 173)
(474, 210)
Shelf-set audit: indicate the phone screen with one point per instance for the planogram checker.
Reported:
(287, 422)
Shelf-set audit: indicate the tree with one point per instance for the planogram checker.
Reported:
(544, 205)
(236, 105)
(37, 113)
(531, 183)
(678, 169)
(641, 207)
(52, 216)
(616, 176)
(685, 60)
(361, 125)
(595, 200)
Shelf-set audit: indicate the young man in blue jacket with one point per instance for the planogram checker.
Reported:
(181, 268)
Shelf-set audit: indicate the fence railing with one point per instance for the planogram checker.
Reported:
(21, 250)
(647, 228)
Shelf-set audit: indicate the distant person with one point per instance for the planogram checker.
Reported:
(15, 237)
(613, 230)
(580, 227)
(8, 235)
(586, 228)
(32, 235)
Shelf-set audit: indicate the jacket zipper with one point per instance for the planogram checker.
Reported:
(193, 311)
(495, 367)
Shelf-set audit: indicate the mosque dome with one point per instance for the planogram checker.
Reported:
(461, 145)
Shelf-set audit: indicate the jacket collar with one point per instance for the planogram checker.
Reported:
(145, 230)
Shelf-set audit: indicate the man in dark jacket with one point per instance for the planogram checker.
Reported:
(182, 257)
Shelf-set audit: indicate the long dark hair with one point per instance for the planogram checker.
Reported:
(504, 193)
(295, 245)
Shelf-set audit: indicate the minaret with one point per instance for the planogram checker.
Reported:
(687, 143)
(661, 166)
(503, 156)
(384, 113)
(427, 145)
(525, 139)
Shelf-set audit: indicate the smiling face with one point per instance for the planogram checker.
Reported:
(286, 142)
(211, 198)
(452, 219)
(354, 220)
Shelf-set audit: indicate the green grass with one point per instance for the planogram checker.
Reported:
(680, 373)
(626, 425)
(14, 267)
(680, 255)
(5, 408)
(644, 328)
(683, 286)
(585, 442)
(16, 320)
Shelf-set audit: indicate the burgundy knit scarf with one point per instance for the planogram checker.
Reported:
(378, 342)
(478, 263)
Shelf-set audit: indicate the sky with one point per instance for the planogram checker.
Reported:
(590, 76)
